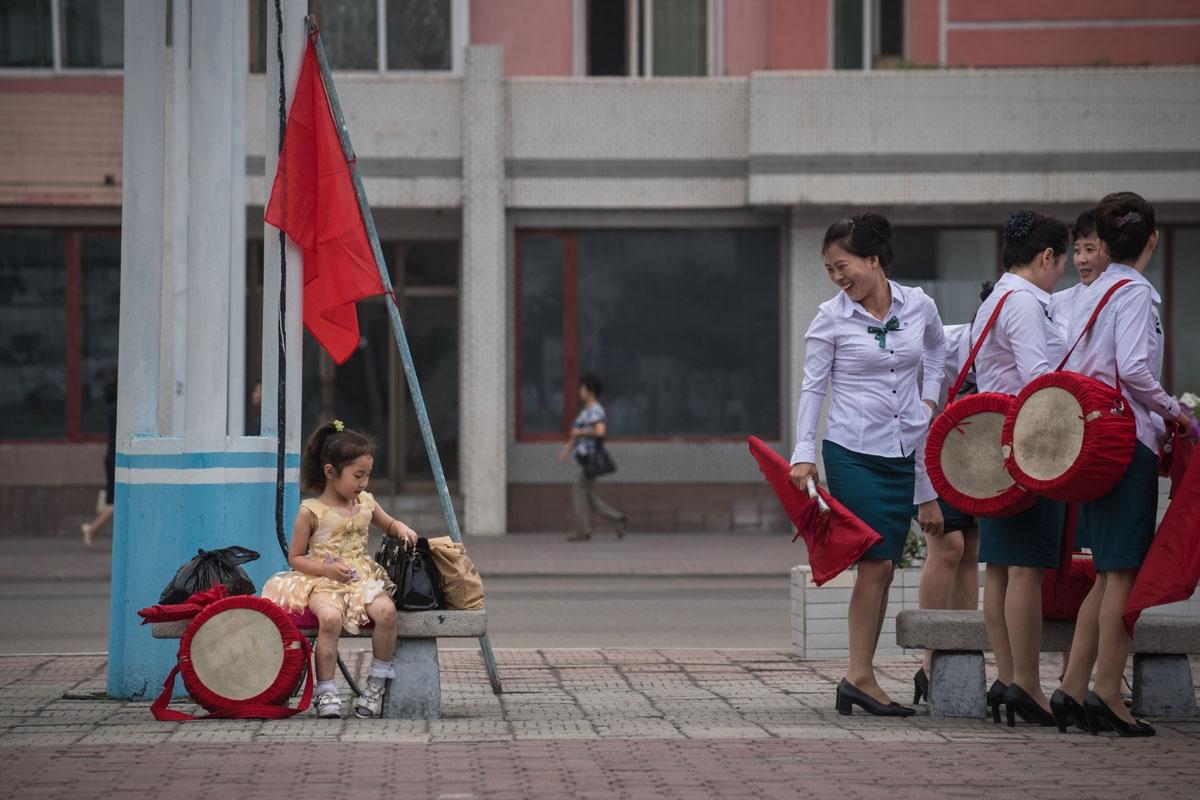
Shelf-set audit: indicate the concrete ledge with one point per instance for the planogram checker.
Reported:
(442, 623)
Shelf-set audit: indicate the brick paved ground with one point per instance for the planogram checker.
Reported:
(572, 723)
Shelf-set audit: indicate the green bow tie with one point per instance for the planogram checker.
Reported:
(880, 334)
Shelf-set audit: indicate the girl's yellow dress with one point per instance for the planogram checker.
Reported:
(338, 535)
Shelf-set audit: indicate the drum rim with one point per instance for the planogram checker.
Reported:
(1013, 500)
(1063, 487)
(291, 670)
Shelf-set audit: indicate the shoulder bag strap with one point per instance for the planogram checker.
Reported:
(966, 368)
(1091, 320)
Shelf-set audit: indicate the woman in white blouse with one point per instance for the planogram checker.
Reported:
(1023, 344)
(868, 344)
(1118, 351)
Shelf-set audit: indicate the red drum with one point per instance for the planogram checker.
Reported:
(240, 657)
(1068, 437)
(962, 452)
(965, 462)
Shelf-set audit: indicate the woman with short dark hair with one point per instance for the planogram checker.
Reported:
(586, 434)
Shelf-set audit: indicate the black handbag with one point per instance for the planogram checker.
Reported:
(418, 585)
(598, 462)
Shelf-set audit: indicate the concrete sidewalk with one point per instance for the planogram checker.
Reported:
(699, 554)
(571, 723)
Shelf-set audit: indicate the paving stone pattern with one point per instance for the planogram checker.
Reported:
(571, 723)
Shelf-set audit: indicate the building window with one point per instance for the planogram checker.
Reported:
(949, 264)
(650, 37)
(396, 35)
(885, 21)
(682, 325)
(91, 34)
(59, 294)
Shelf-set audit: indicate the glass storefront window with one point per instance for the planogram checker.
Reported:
(101, 258)
(33, 357)
(541, 341)
(25, 34)
(949, 264)
(1184, 324)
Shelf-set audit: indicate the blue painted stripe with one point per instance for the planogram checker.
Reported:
(204, 460)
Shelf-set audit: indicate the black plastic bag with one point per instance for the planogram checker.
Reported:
(418, 585)
(209, 568)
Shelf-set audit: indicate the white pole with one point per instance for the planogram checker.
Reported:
(868, 34)
(181, 33)
(208, 227)
(237, 222)
(293, 52)
(141, 219)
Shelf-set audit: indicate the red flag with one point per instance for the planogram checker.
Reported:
(1171, 570)
(313, 201)
(836, 539)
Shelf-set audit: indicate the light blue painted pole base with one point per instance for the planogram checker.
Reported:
(168, 506)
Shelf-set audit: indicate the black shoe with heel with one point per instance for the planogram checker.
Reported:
(849, 695)
(1067, 712)
(920, 686)
(1018, 703)
(995, 699)
(1101, 718)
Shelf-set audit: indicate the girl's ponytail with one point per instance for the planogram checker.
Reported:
(330, 443)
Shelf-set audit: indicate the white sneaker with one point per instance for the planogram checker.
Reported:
(329, 706)
(370, 702)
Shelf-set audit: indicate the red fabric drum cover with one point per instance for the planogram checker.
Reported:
(965, 462)
(1068, 437)
(242, 650)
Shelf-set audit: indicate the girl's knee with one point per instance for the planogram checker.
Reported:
(382, 610)
(329, 621)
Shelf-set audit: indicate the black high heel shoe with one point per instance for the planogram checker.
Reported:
(849, 695)
(1017, 702)
(995, 699)
(1100, 718)
(920, 686)
(1067, 712)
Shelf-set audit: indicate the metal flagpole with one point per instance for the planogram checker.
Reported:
(410, 372)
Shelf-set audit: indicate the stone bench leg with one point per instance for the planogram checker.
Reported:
(1162, 686)
(956, 687)
(416, 691)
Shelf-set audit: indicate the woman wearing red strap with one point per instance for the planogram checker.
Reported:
(1019, 548)
(1120, 524)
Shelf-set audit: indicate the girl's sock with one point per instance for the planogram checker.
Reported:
(380, 672)
(326, 687)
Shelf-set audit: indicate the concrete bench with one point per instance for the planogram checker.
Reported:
(1162, 676)
(416, 691)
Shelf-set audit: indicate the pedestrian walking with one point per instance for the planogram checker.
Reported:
(1120, 524)
(1018, 549)
(867, 345)
(585, 441)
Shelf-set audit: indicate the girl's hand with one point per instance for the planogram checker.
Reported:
(929, 515)
(338, 571)
(403, 533)
(802, 472)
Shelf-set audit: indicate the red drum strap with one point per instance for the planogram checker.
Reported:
(966, 368)
(1099, 307)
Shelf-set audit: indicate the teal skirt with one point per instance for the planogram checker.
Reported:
(955, 519)
(878, 490)
(1029, 539)
(1120, 525)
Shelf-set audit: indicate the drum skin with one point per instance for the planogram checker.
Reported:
(964, 460)
(1068, 437)
(241, 650)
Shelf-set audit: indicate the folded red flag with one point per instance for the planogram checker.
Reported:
(835, 539)
(185, 610)
(1171, 570)
(313, 201)
(1175, 455)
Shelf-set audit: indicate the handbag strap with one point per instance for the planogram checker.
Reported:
(966, 368)
(242, 711)
(1091, 320)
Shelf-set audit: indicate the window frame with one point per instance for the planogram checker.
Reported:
(714, 46)
(872, 34)
(460, 37)
(570, 331)
(73, 237)
(56, 54)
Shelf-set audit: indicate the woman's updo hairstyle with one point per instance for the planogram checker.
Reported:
(1027, 233)
(331, 443)
(1124, 222)
(862, 235)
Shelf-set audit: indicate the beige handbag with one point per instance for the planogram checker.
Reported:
(462, 588)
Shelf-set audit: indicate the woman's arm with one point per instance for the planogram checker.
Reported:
(818, 362)
(1024, 322)
(933, 364)
(298, 558)
(1134, 370)
(393, 527)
